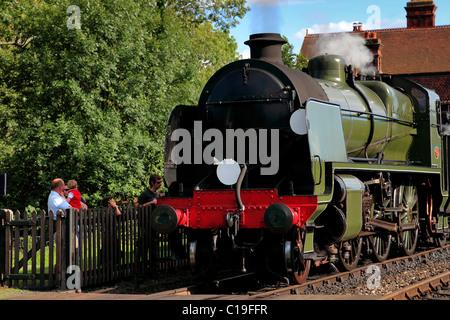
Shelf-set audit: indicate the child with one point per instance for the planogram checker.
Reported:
(74, 196)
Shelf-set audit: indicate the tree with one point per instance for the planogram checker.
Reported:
(291, 59)
(223, 13)
(91, 104)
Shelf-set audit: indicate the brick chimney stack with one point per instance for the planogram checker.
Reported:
(420, 14)
(357, 26)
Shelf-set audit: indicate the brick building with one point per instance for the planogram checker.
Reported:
(420, 52)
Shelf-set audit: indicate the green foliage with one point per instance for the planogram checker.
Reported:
(291, 59)
(223, 13)
(91, 104)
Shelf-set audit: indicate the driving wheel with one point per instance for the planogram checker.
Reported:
(297, 267)
(349, 253)
(407, 197)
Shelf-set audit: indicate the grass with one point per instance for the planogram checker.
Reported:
(38, 256)
(6, 292)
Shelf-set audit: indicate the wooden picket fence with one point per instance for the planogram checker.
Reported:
(41, 250)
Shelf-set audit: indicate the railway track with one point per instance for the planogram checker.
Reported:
(367, 279)
(434, 288)
(326, 287)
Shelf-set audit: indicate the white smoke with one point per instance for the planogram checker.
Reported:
(446, 130)
(446, 124)
(350, 46)
(266, 18)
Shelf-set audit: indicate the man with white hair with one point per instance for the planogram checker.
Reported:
(56, 199)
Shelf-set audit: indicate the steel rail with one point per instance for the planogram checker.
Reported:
(195, 288)
(420, 288)
(340, 277)
(312, 284)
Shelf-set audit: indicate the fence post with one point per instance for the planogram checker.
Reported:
(2, 245)
(150, 240)
(59, 265)
(5, 245)
(70, 239)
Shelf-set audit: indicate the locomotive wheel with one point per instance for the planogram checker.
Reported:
(297, 267)
(381, 246)
(439, 240)
(380, 243)
(349, 253)
(407, 196)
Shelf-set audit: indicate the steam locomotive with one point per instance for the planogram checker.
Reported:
(279, 170)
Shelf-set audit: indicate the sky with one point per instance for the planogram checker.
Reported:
(291, 18)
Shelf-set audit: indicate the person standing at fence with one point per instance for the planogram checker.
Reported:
(109, 202)
(66, 195)
(56, 199)
(74, 196)
(149, 196)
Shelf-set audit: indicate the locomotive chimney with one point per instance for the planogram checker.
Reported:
(266, 46)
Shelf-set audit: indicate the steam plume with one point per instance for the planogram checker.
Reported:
(351, 47)
(266, 18)
(446, 124)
